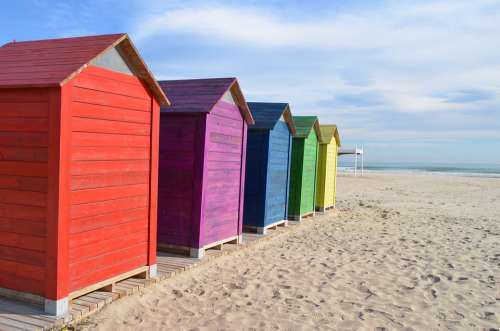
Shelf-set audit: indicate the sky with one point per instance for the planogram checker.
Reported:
(410, 81)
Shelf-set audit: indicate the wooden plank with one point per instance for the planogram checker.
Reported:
(26, 139)
(27, 154)
(108, 180)
(17, 168)
(24, 110)
(22, 227)
(19, 183)
(111, 140)
(86, 110)
(102, 207)
(124, 79)
(23, 124)
(29, 213)
(104, 82)
(81, 124)
(153, 184)
(106, 167)
(105, 282)
(105, 246)
(104, 233)
(114, 100)
(101, 153)
(22, 241)
(108, 193)
(108, 219)
(37, 199)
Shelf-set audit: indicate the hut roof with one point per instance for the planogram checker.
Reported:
(267, 114)
(201, 95)
(304, 125)
(328, 131)
(53, 62)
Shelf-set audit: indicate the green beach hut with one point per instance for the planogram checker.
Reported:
(303, 170)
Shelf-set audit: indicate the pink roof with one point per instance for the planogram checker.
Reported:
(52, 62)
(201, 95)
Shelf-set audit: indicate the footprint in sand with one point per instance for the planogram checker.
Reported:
(433, 278)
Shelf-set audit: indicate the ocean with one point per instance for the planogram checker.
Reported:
(475, 170)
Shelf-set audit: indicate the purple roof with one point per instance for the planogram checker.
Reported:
(201, 95)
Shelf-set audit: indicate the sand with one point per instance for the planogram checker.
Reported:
(401, 253)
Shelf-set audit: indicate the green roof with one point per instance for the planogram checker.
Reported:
(304, 125)
(328, 131)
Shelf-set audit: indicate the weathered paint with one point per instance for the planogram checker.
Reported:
(327, 167)
(202, 163)
(77, 172)
(268, 166)
(304, 167)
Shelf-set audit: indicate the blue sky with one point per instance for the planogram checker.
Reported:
(409, 80)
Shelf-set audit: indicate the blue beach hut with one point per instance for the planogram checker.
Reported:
(268, 166)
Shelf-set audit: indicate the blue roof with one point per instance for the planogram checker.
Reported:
(267, 114)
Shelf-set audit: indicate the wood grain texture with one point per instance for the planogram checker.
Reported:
(202, 157)
(112, 157)
(303, 173)
(24, 154)
(268, 171)
(178, 164)
(327, 175)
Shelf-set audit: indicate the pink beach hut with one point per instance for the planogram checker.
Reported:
(202, 165)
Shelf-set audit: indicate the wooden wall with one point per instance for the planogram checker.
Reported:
(24, 153)
(278, 174)
(309, 172)
(296, 166)
(224, 173)
(327, 173)
(256, 177)
(181, 142)
(303, 175)
(111, 159)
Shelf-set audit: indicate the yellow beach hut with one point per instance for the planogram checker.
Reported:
(327, 168)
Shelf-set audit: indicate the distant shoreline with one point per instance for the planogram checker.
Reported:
(419, 172)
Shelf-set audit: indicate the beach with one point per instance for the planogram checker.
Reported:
(404, 252)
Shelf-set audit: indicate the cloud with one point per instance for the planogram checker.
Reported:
(394, 70)
(359, 99)
(467, 95)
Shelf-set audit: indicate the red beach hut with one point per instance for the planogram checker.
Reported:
(79, 126)
(202, 164)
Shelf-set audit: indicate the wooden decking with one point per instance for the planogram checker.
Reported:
(263, 230)
(21, 316)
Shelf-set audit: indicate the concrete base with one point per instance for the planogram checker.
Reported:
(197, 253)
(153, 271)
(57, 307)
(261, 230)
(240, 239)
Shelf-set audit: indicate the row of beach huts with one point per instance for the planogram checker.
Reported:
(101, 165)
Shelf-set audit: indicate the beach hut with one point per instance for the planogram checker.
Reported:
(268, 166)
(327, 168)
(78, 167)
(202, 165)
(303, 171)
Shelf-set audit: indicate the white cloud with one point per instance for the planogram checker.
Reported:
(412, 54)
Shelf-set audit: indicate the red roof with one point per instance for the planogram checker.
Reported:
(52, 62)
(201, 95)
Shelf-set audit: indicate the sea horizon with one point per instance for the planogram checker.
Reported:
(450, 169)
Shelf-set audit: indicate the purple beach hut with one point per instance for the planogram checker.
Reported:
(202, 165)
